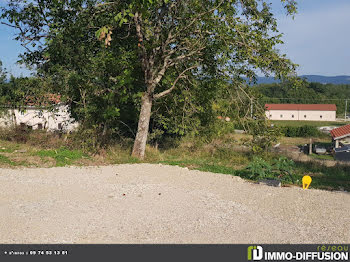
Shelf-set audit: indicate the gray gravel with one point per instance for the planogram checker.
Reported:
(144, 203)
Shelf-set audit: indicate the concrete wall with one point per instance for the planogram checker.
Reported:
(58, 119)
(307, 115)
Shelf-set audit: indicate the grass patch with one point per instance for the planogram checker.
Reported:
(121, 155)
(298, 141)
(336, 177)
(207, 158)
(322, 157)
(7, 147)
(62, 156)
(223, 155)
(7, 150)
(4, 160)
(200, 165)
(7, 161)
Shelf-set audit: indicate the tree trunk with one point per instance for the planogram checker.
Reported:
(143, 126)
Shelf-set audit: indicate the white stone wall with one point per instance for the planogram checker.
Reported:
(307, 115)
(57, 119)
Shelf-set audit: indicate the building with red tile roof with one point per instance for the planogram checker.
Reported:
(341, 135)
(317, 107)
(47, 112)
(306, 112)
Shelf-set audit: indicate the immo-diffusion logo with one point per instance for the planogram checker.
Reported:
(332, 253)
(255, 252)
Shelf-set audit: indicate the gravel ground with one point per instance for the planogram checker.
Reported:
(144, 203)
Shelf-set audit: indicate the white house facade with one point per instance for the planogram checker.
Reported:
(57, 118)
(303, 112)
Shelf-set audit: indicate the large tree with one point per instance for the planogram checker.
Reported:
(176, 40)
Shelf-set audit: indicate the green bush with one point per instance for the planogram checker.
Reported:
(300, 131)
(264, 136)
(218, 128)
(259, 169)
(281, 169)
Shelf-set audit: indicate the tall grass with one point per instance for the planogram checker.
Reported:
(225, 154)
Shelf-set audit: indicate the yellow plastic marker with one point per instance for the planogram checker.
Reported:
(306, 181)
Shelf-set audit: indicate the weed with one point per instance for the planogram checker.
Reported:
(6, 160)
(8, 148)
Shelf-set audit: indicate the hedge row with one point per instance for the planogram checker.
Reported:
(300, 131)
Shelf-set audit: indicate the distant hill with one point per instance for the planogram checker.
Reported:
(311, 78)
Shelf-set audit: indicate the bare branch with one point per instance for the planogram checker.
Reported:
(168, 91)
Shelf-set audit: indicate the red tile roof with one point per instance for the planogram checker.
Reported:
(318, 107)
(340, 131)
(43, 100)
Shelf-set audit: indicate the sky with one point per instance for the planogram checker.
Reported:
(317, 39)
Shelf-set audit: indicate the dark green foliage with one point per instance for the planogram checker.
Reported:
(264, 135)
(259, 169)
(15, 91)
(89, 139)
(281, 168)
(285, 168)
(300, 131)
(103, 55)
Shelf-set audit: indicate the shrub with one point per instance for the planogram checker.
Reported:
(39, 138)
(17, 134)
(259, 169)
(300, 131)
(217, 128)
(86, 139)
(264, 135)
(44, 139)
(281, 169)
